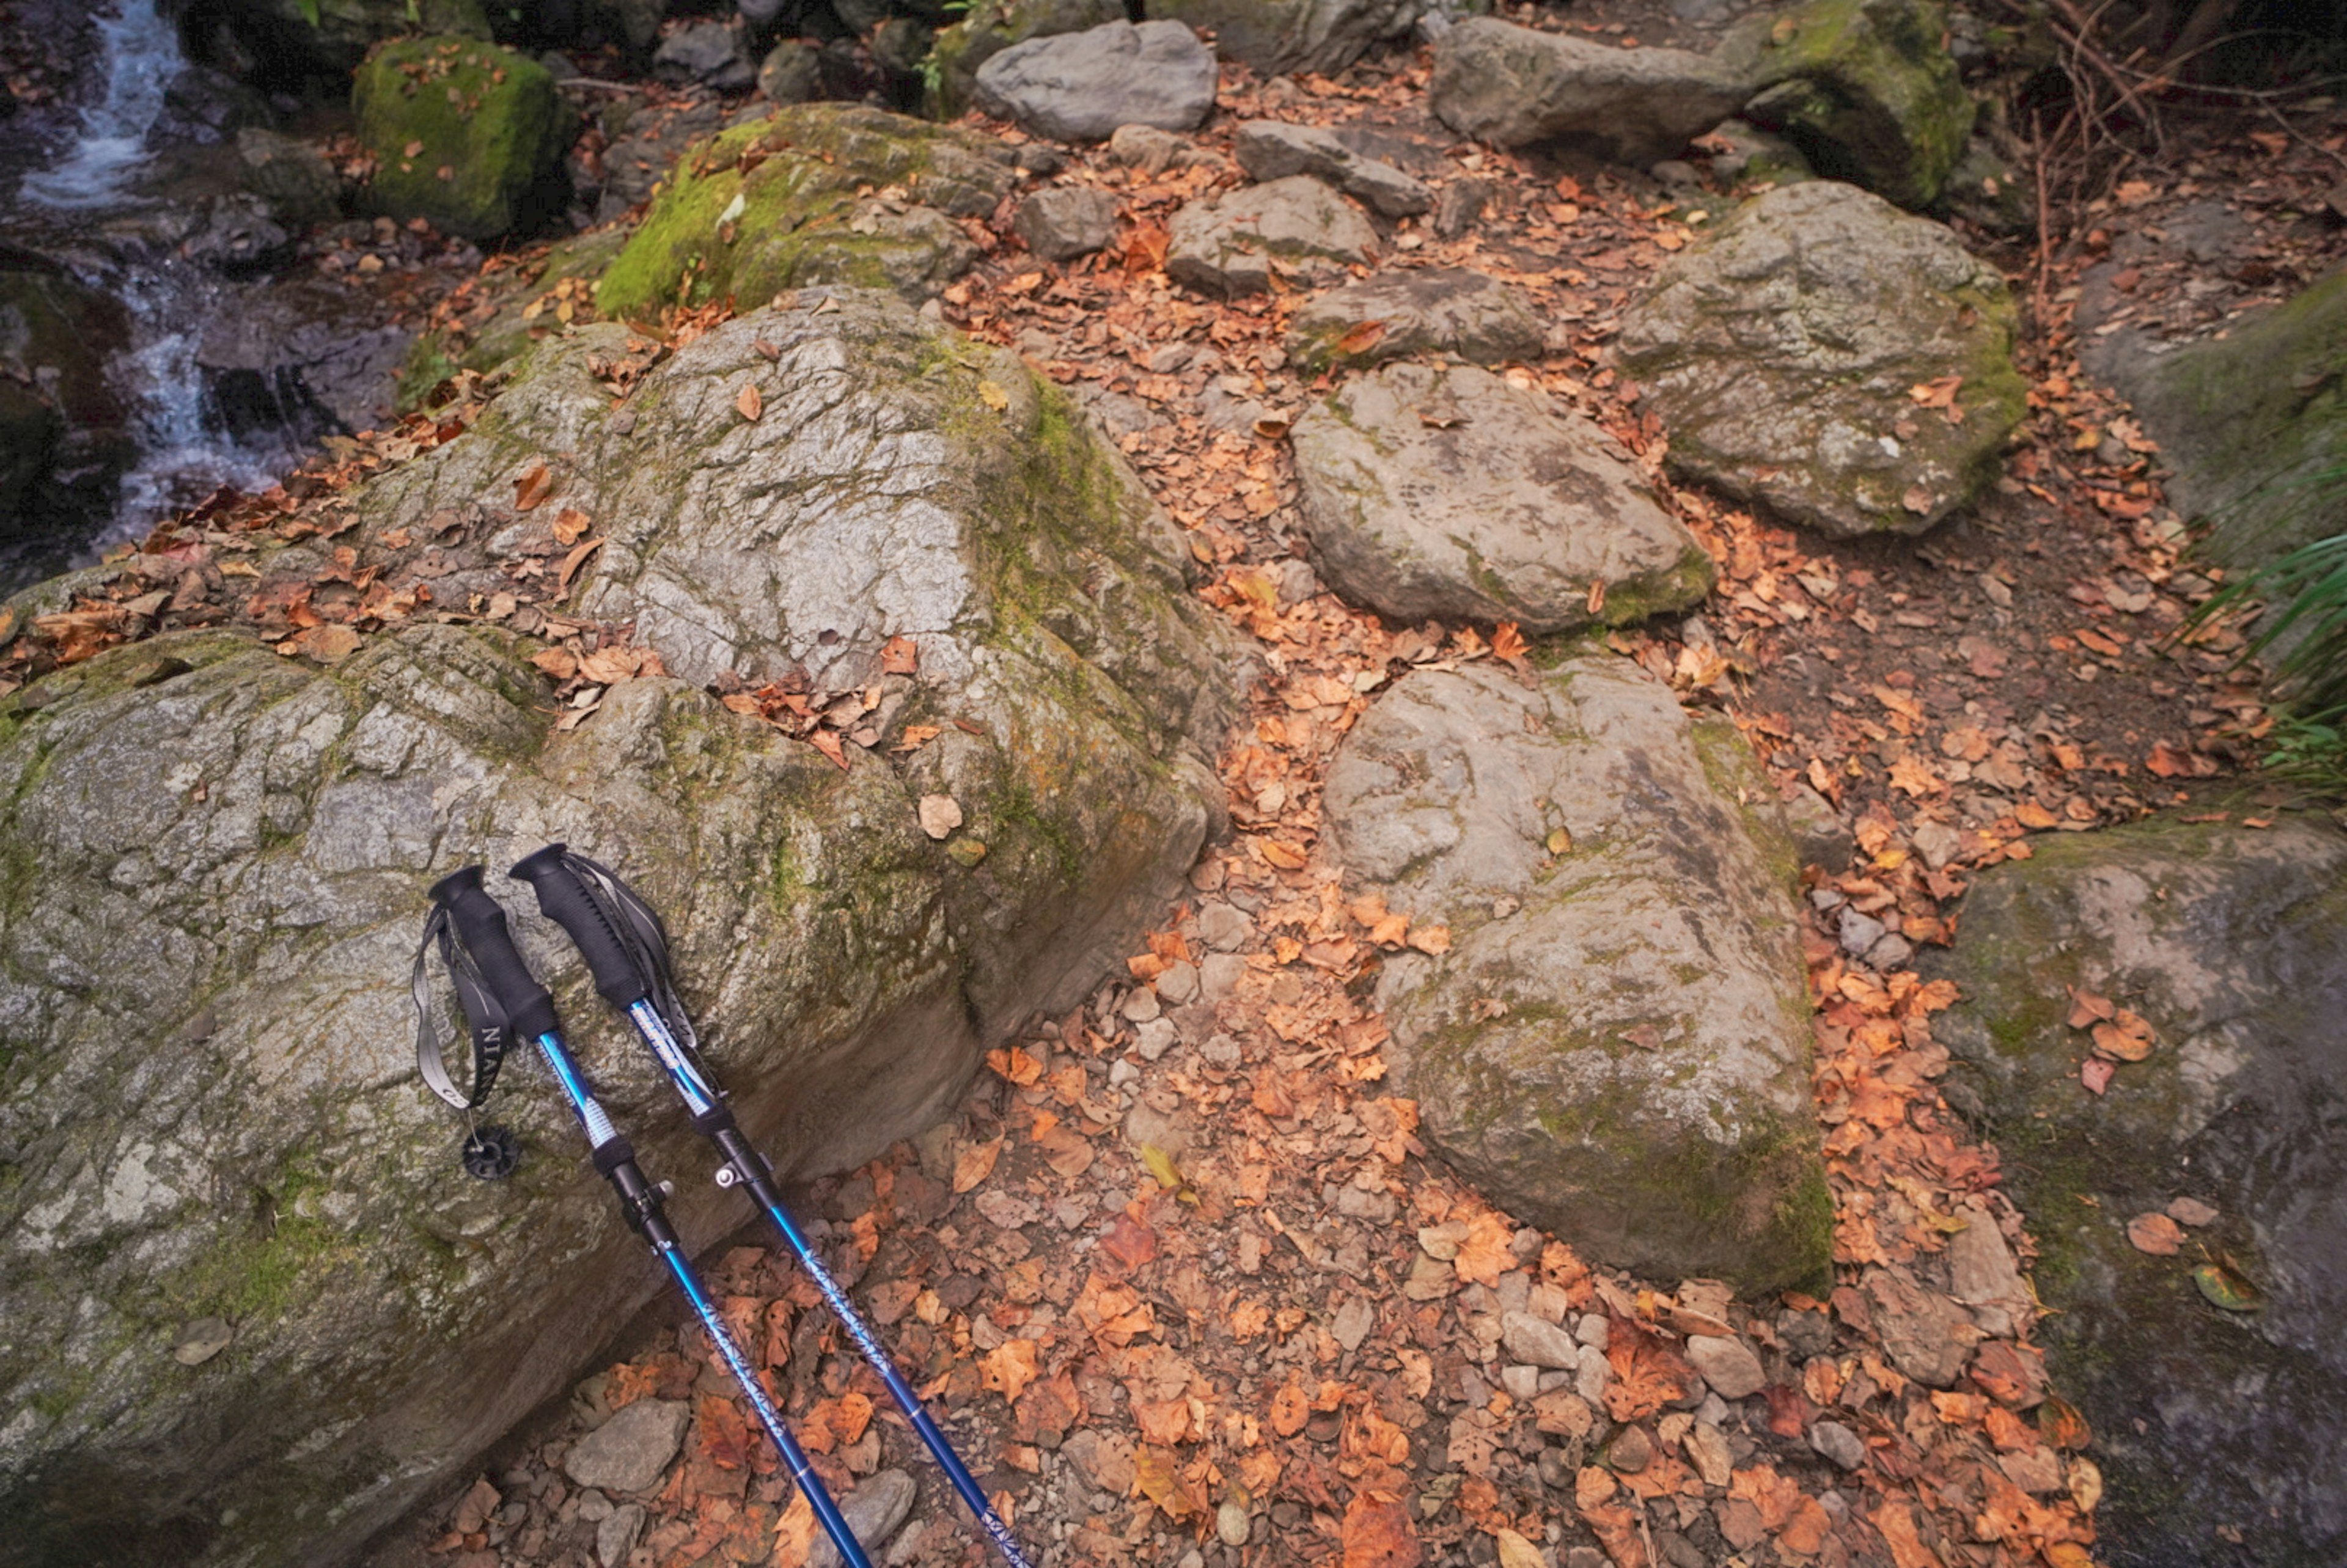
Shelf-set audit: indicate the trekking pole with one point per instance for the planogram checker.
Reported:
(626, 948)
(503, 1001)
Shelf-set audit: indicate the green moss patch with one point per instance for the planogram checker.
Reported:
(1868, 90)
(461, 132)
(817, 193)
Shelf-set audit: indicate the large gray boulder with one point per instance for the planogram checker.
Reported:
(1512, 85)
(988, 27)
(1278, 38)
(1849, 365)
(2231, 944)
(1080, 87)
(1233, 244)
(216, 1142)
(1616, 1045)
(1425, 311)
(1435, 493)
(2253, 423)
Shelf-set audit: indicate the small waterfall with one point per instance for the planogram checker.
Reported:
(141, 57)
(88, 189)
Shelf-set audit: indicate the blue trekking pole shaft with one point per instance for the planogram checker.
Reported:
(480, 925)
(620, 976)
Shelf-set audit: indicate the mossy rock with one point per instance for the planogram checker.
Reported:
(2231, 943)
(1780, 352)
(1616, 1045)
(215, 863)
(774, 204)
(1867, 89)
(2254, 424)
(463, 134)
(990, 26)
(502, 327)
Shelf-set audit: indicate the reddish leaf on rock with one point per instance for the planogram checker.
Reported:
(1380, 1535)
(2155, 1233)
(2064, 1426)
(748, 403)
(574, 560)
(827, 742)
(900, 656)
(1617, 1529)
(722, 1431)
(1789, 1409)
(2096, 1074)
(531, 487)
(2087, 1009)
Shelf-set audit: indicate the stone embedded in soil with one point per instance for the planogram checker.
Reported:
(1624, 1060)
(1445, 493)
(2253, 421)
(1512, 85)
(1080, 87)
(1927, 1335)
(705, 52)
(1233, 244)
(1422, 312)
(1838, 1443)
(2231, 943)
(1067, 221)
(1273, 149)
(631, 1449)
(616, 1534)
(1728, 1366)
(1538, 1342)
(875, 1511)
(1783, 354)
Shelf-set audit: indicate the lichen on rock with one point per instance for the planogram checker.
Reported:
(1616, 1044)
(1848, 364)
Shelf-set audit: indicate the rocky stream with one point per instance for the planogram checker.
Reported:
(1441, 773)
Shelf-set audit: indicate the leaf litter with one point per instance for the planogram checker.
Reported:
(1135, 1339)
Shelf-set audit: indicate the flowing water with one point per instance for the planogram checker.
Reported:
(87, 197)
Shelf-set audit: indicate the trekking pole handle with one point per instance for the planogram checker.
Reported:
(563, 899)
(480, 924)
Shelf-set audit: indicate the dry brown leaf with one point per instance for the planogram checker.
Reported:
(900, 656)
(2155, 1233)
(1007, 1368)
(748, 403)
(974, 1164)
(531, 487)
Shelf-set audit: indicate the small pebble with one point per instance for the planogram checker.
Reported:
(1838, 1443)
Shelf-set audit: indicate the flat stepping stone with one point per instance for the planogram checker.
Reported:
(1231, 244)
(1400, 315)
(1512, 85)
(1273, 149)
(1446, 494)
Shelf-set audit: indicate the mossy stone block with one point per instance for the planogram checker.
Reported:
(461, 132)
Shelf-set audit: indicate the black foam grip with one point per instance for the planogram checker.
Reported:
(564, 900)
(480, 924)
